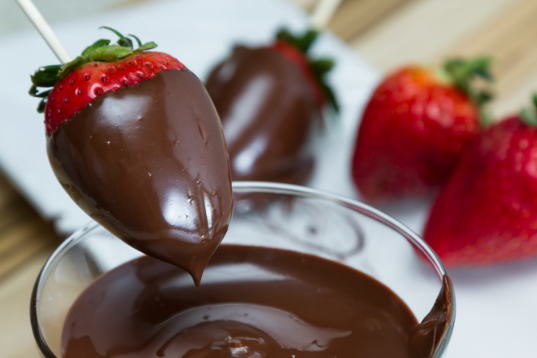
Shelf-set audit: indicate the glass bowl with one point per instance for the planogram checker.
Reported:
(271, 215)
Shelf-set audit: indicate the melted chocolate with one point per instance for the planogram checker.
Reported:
(268, 114)
(254, 302)
(426, 336)
(149, 163)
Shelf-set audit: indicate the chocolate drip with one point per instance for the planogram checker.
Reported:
(149, 163)
(426, 336)
(254, 302)
(268, 114)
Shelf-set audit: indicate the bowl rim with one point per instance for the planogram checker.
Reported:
(274, 188)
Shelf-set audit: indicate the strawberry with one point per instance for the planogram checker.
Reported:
(295, 50)
(134, 139)
(270, 100)
(99, 69)
(486, 213)
(415, 128)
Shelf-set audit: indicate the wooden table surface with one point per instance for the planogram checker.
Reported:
(388, 33)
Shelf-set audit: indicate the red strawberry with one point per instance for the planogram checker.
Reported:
(135, 140)
(100, 68)
(487, 212)
(415, 128)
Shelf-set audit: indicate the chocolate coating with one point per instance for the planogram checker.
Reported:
(254, 302)
(149, 163)
(268, 114)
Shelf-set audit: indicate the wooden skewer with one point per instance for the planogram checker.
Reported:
(44, 29)
(323, 12)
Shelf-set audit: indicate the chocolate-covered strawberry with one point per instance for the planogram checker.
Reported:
(134, 139)
(270, 101)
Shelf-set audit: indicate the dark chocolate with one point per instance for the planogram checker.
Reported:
(269, 115)
(426, 336)
(149, 163)
(253, 302)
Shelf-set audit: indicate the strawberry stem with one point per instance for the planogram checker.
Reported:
(100, 51)
(463, 73)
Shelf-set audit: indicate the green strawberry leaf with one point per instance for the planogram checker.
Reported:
(71, 66)
(307, 40)
(285, 36)
(147, 46)
(302, 43)
(462, 73)
(529, 115)
(34, 92)
(123, 41)
(320, 69)
(137, 40)
(322, 65)
(101, 50)
(42, 105)
(46, 76)
(330, 98)
(97, 44)
(110, 53)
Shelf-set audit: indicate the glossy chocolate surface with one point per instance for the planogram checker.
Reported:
(253, 302)
(148, 162)
(268, 114)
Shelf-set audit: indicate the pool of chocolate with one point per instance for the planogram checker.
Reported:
(252, 302)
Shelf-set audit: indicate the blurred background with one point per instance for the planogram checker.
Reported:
(386, 33)
(390, 33)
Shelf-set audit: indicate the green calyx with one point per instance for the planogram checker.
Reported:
(301, 43)
(474, 78)
(529, 115)
(320, 67)
(100, 51)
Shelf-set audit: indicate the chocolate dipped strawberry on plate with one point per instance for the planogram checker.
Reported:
(134, 139)
(270, 100)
